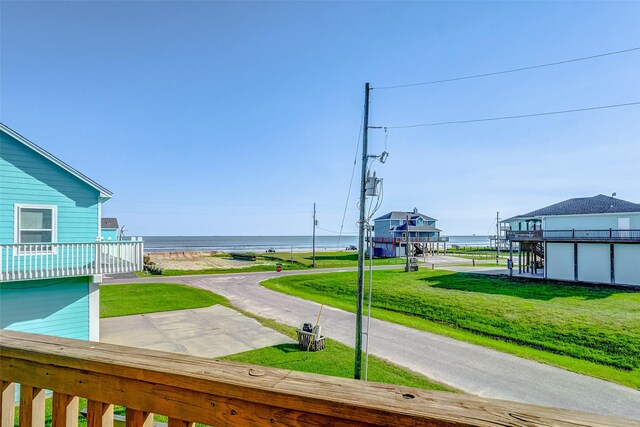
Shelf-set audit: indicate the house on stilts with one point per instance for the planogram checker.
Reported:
(396, 231)
(588, 239)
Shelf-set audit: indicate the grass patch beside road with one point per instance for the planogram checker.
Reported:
(588, 329)
(335, 360)
(139, 298)
(335, 259)
(250, 269)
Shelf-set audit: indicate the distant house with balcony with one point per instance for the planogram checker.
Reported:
(397, 230)
(589, 239)
(51, 260)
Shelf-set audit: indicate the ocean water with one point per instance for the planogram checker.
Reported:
(475, 241)
(262, 243)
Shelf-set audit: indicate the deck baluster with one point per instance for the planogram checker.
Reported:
(7, 403)
(64, 410)
(31, 406)
(99, 414)
(137, 418)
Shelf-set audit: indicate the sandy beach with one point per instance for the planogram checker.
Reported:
(200, 260)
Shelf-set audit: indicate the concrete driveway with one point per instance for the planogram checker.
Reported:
(207, 332)
(471, 368)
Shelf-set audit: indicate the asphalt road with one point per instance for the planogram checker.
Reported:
(470, 368)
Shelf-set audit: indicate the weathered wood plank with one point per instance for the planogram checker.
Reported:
(64, 410)
(171, 401)
(31, 406)
(7, 404)
(226, 393)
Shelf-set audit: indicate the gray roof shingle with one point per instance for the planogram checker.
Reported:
(583, 206)
(109, 223)
(403, 215)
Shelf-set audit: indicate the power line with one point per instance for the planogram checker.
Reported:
(353, 171)
(514, 70)
(340, 233)
(520, 116)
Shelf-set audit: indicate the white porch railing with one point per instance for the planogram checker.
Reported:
(51, 260)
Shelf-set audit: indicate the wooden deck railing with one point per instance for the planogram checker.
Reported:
(190, 389)
(27, 261)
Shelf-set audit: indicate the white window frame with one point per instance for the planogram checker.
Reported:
(16, 226)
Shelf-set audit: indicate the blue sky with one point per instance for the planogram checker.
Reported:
(214, 118)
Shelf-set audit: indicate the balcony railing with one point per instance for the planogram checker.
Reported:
(54, 260)
(397, 240)
(610, 235)
(190, 389)
(595, 235)
(524, 235)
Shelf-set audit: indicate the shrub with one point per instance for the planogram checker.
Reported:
(153, 269)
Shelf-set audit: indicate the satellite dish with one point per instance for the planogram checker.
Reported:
(121, 233)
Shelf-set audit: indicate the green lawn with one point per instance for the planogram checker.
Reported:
(250, 269)
(476, 250)
(589, 329)
(124, 300)
(335, 360)
(327, 259)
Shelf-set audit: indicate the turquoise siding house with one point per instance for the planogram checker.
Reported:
(51, 264)
(587, 239)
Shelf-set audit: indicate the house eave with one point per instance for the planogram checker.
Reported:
(104, 193)
(525, 218)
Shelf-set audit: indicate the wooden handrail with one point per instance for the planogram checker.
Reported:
(191, 389)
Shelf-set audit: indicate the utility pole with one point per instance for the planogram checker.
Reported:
(406, 249)
(357, 369)
(315, 223)
(497, 237)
